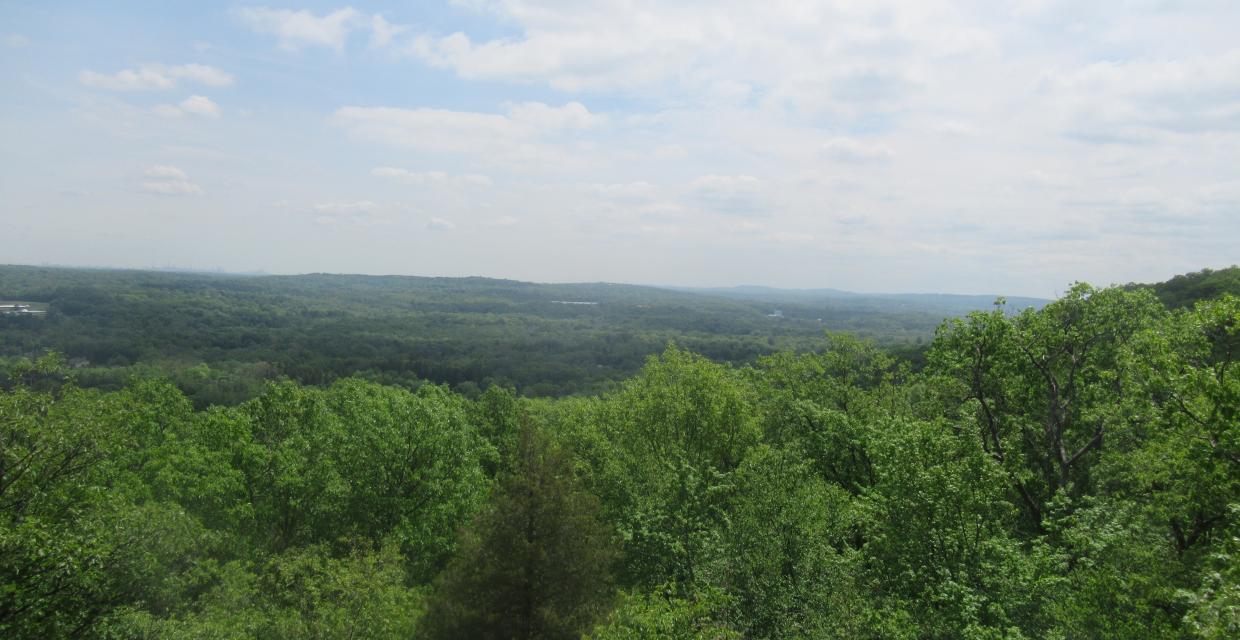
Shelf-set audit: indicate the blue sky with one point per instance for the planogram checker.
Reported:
(943, 145)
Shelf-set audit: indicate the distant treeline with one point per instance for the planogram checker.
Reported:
(1185, 290)
(220, 338)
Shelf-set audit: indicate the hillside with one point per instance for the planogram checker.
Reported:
(220, 336)
(828, 300)
(1187, 289)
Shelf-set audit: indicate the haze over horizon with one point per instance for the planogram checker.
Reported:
(939, 147)
(220, 271)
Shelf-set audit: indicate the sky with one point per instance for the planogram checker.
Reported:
(962, 146)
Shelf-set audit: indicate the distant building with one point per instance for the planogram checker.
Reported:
(17, 308)
(778, 313)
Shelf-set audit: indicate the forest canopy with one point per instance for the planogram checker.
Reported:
(1066, 471)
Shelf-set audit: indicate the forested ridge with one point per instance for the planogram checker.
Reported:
(1186, 289)
(1068, 471)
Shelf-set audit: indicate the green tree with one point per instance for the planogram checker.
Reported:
(787, 561)
(81, 535)
(824, 403)
(662, 616)
(937, 536)
(362, 460)
(673, 436)
(1047, 386)
(536, 563)
(304, 593)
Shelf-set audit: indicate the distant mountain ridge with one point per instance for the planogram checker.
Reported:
(951, 304)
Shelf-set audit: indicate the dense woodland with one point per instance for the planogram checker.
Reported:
(1069, 471)
(221, 338)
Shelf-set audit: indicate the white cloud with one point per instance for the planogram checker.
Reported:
(820, 57)
(193, 105)
(382, 32)
(738, 194)
(156, 76)
(359, 207)
(519, 138)
(165, 171)
(433, 129)
(1049, 180)
(537, 115)
(573, 57)
(791, 237)
(853, 150)
(440, 224)
(671, 151)
(744, 226)
(15, 40)
(167, 111)
(724, 183)
(953, 128)
(1132, 100)
(433, 177)
(627, 192)
(297, 29)
(201, 106)
(750, 232)
(173, 188)
(169, 181)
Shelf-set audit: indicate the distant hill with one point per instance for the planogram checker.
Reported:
(219, 336)
(1187, 289)
(942, 304)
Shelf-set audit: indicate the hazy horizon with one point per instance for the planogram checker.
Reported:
(937, 147)
(219, 271)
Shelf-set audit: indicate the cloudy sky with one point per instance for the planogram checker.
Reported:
(972, 146)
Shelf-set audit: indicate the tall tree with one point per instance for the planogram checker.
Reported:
(536, 562)
(1047, 386)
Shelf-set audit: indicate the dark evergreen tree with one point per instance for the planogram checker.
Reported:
(536, 563)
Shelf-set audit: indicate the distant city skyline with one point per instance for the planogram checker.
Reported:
(940, 146)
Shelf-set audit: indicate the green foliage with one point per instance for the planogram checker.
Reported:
(787, 558)
(1047, 388)
(118, 509)
(1121, 572)
(824, 404)
(938, 539)
(673, 435)
(1065, 472)
(221, 338)
(536, 562)
(1186, 290)
(1214, 606)
(359, 460)
(682, 405)
(46, 373)
(660, 617)
(304, 593)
